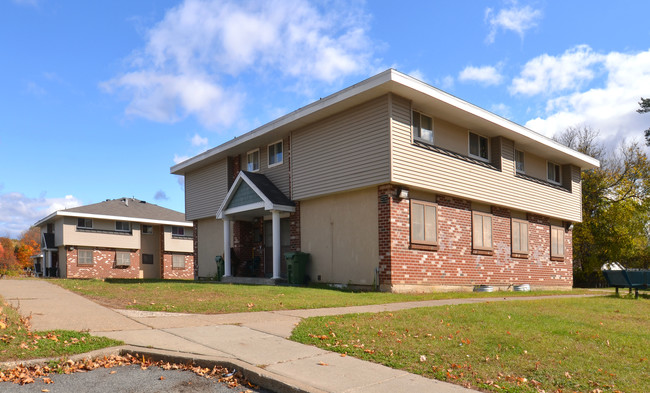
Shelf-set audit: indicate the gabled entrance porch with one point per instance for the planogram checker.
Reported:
(259, 243)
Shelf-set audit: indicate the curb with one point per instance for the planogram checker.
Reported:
(256, 375)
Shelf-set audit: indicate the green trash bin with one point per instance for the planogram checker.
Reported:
(221, 267)
(296, 267)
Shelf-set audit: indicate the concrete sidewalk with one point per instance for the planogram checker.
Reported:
(255, 340)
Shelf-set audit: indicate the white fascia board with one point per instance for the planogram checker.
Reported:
(120, 218)
(243, 208)
(440, 95)
(46, 219)
(337, 97)
(386, 78)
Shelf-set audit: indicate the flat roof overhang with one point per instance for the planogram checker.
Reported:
(424, 98)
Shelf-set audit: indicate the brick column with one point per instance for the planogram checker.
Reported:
(385, 194)
(195, 244)
(294, 228)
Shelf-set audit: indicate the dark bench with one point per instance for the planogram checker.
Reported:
(632, 279)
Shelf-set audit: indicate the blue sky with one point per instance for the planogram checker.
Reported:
(99, 98)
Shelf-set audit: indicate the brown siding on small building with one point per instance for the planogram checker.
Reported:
(347, 151)
(442, 173)
(205, 189)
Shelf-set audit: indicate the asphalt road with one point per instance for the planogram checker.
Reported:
(127, 379)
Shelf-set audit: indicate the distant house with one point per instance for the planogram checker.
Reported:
(391, 183)
(119, 238)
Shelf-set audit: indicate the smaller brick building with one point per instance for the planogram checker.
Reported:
(118, 238)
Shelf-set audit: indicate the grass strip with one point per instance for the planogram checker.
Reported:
(596, 344)
(17, 342)
(217, 298)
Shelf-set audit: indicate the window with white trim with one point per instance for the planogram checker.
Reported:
(557, 242)
(275, 153)
(478, 146)
(424, 223)
(123, 258)
(178, 261)
(178, 231)
(253, 160)
(422, 127)
(519, 161)
(553, 172)
(147, 229)
(481, 231)
(85, 223)
(519, 236)
(84, 257)
(122, 226)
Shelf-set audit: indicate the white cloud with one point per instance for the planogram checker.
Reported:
(160, 195)
(516, 19)
(18, 212)
(610, 107)
(547, 74)
(198, 140)
(502, 110)
(200, 45)
(486, 75)
(178, 159)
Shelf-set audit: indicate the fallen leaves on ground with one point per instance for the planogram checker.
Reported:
(24, 375)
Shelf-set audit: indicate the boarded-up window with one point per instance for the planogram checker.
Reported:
(147, 259)
(519, 236)
(424, 223)
(557, 242)
(481, 231)
(122, 258)
(85, 257)
(178, 261)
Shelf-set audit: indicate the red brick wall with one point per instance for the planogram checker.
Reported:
(294, 228)
(169, 272)
(103, 266)
(454, 263)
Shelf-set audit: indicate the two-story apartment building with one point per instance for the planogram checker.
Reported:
(390, 182)
(118, 238)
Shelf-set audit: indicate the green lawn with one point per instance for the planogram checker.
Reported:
(555, 345)
(17, 342)
(216, 298)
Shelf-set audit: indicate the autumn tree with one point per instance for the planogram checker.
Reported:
(644, 107)
(615, 201)
(28, 245)
(8, 261)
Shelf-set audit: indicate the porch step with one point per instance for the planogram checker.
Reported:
(253, 280)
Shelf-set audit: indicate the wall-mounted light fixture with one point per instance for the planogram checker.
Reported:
(402, 193)
(568, 226)
(71, 248)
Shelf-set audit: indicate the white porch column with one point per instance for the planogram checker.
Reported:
(47, 263)
(277, 251)
(226, 246)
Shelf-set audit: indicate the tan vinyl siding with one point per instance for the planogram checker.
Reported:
(73, 237)
(205, 189)
(278, 174)
(535, 166)
(440, 173)
(178, 244)
(347, 151)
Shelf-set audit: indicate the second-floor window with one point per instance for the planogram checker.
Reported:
(253, 160)
(275, 154)
(553, 170)
(147, 229)
(86, 223)
(422, 127)
(519, 160)
(478, 146)
(178, 231)
(122, 226)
